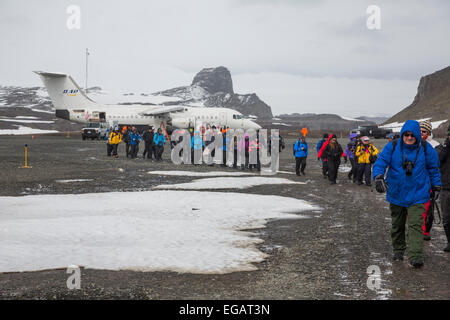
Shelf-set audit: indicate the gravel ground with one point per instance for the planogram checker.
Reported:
(325, 257)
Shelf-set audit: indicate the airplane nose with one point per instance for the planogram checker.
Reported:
(254, 125)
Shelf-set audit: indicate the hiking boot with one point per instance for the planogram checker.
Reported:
(447, 248)
(426, 237)
(398, 256)
(416, 263)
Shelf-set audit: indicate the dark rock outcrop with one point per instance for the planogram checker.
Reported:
(431, 101)
(214, 80)
(213, 87)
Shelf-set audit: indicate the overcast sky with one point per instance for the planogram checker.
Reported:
(297, 55)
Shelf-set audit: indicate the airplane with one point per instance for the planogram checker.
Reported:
(71, 103)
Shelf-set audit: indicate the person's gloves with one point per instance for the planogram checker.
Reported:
(435, 190)
(380, 184)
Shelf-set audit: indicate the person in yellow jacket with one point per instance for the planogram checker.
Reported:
(367, 154)
(114, 139)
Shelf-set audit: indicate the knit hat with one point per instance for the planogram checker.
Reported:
(333, 136)
(426, 124)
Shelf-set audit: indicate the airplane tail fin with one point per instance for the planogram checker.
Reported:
(64, 91)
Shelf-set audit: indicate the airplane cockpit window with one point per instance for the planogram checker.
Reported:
(237, 116)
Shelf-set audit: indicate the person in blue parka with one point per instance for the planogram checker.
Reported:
(197, 145)
(159, 140)
(300, 153)
(413, 169)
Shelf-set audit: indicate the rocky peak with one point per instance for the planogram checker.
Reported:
(214, 80)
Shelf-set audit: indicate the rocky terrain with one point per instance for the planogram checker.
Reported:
(431, 101)
(213, 87)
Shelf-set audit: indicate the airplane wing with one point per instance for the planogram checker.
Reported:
(161, 110)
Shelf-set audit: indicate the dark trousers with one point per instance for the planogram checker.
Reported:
(148, 150)
(445, 211)
(324, 168)
(364, 169)
(158, 152)
(114, 149)
(245, 164)
(134, 150)
(300, 165)
(224, 158)
(353, 172)
(108, 149)
(333, 167)
(196, 156)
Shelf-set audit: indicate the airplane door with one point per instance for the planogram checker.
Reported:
(223, 118)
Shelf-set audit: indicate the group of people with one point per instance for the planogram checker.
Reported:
(360, 151)
(242, 148)
(413, 169)
(154, 142)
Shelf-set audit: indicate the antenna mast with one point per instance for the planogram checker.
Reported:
(87, 54)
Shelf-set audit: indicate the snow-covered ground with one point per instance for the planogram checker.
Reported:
(227, 183)
(25, 121)
(24, 130)
(182, 231)
(72, 180)
(106, 97)
(199, 174)
(397, 126)
(351, 119)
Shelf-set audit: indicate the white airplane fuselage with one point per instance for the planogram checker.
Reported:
(71, 103)
(190, 117)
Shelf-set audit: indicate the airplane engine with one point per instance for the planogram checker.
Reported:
(180, 123)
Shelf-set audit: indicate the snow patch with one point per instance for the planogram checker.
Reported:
(227, 183)
(199, 174)
(24, 130)
(189, 231)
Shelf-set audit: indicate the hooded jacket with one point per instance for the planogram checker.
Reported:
(300, 149)
(135, 138)
(404, 190)
(115, 137)
(444, 157)
(363, 152)
(351, 146)
(159, 139)
(197, 141)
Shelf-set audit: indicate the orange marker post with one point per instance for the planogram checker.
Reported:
(26, 159)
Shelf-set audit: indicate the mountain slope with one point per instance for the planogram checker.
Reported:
(432, 99)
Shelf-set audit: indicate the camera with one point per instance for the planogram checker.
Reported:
(408, 166)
